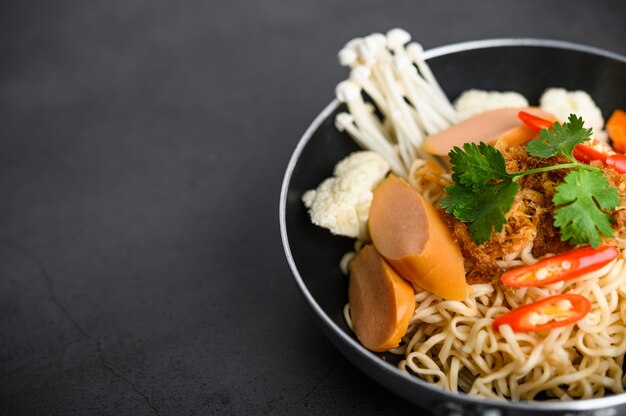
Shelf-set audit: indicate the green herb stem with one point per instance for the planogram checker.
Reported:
(484, 191)
(556, 167)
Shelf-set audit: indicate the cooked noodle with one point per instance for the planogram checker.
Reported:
(452, 343)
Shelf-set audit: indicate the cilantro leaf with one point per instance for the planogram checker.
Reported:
(477, 164)
(484, 207)
(483, 191)
(581, 200)
(560, 139)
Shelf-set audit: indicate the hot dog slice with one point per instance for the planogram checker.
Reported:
(484, 127)
(381, 302)
(409, 233)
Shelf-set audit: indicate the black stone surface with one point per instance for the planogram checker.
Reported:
(142, 146)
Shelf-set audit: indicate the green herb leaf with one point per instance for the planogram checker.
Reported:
(483, 191)
(581, 200)
(560, 139)
(484, 207)
(477, 164)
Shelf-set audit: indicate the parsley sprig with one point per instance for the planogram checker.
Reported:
(484, 191)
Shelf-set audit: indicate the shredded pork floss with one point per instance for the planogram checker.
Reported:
(529, 232)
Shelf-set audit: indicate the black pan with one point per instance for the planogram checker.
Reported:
(525, 65)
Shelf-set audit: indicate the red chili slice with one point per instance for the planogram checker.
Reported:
(582, 152)
(551, 312)
(617, 162)
(535, 123)
(560, 267)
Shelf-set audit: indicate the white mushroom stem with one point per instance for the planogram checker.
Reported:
(407, 131)
(372, 134)
(379, 125)
(393, 73)
(431, 96)
(398, 104)
(416, 53)
(432, 121)
(361, 75)
(349, 93)
(418, 119)
(375, 44)
(345, 122)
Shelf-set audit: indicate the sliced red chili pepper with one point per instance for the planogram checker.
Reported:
(560, 267)
(584, 153)
(535, 123)
(551, 312)
(617, 162)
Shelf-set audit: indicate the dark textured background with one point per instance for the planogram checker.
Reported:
(142, 146)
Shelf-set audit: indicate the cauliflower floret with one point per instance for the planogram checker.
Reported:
(472, 102)
(342, 203)
(561, 103)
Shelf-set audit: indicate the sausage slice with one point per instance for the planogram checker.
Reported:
(381, 302)
(409, 233)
